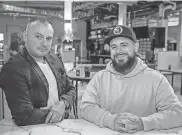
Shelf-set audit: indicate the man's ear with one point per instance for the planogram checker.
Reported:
(136, 46)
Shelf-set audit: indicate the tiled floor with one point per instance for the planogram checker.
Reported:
(176, 86)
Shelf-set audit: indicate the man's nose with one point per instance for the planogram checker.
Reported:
(119, 49)
(44, 42)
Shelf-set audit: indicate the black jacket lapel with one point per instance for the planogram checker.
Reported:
(58, 70)
(32, 62)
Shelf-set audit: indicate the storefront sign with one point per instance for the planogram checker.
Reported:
(10, 8)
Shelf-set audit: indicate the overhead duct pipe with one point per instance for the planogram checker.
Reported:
(163, 8)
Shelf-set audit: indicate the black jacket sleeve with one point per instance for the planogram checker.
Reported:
(70, 92)
(18, 97)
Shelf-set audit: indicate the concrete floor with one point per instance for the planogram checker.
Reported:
(176, 86)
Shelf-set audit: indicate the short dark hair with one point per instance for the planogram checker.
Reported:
(43, 20)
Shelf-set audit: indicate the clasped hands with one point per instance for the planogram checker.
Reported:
(57, 113)
(128, 122)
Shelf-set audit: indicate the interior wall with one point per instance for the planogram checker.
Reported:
(22, 22)
(79, 30)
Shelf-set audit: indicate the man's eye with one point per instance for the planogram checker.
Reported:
(125, 45)
(49, 39)
(39, 37)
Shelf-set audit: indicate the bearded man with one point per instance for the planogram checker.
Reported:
(128, 96)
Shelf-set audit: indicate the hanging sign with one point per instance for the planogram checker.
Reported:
(11, 8)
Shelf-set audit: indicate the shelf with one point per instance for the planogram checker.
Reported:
(103, 26)
(98, 38)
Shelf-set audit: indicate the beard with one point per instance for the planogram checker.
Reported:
(123, 66)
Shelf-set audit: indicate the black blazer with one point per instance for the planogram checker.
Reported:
(26, 88)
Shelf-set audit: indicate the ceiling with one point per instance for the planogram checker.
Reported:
(144, 9)
(137, 8)
(57, 5)
(49, 5)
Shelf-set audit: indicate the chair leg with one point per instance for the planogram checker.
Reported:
(76, 102)
(172, 79)
(75, 110)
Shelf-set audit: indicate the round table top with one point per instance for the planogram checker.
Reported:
(71, 127)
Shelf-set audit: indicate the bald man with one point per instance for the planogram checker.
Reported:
(36, 86)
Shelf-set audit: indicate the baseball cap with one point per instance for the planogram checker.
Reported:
(121, 31)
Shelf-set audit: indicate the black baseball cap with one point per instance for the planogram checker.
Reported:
(121, 31)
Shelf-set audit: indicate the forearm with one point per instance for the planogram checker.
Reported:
(98, 116)
(31, 117)
(70, 93)
(169, 109)
(164, 120)
(69, 96)
(90, 106)
(19, 98)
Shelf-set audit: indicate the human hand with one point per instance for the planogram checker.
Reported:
(133, 122)
(120, 123)
(56, 113)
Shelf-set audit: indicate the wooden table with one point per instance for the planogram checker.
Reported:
(71, 127)
(72, 76)
(173, 72)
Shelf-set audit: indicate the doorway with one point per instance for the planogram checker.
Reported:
(12, 32)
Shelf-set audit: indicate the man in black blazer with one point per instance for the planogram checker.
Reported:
(35, 83)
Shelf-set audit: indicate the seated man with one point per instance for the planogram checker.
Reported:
(36, 86)
(128, 96)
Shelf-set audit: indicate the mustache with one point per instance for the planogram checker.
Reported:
(121, 54)
(43, 48)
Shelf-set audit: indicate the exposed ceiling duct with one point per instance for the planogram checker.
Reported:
(166, 6)
(82, 9)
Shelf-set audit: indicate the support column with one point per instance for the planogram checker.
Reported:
(68, 36)
(163, 21)
(68, 16)
(6, 45)
(179, 40)
(122, 18)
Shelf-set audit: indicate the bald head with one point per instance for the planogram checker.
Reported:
(32, 24)
(38, 37)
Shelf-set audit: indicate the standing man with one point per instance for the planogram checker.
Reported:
(35, 83)
(128, 96)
